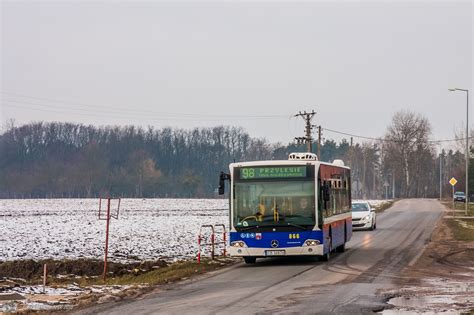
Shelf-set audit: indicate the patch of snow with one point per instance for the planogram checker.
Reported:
(465, 224)
(39, 306)
(71, 290)
(55, 298)
(8, 307)
(146, 229)
(378, 202)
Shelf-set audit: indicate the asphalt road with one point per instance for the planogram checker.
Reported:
(346, 284)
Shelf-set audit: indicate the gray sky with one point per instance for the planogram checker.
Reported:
(250, 64)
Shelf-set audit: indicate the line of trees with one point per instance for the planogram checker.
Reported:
(73, 160)
(56, 160)
(411, 159)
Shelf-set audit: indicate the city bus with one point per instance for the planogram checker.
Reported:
(294, 207)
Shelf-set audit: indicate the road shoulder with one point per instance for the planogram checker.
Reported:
(442, 278)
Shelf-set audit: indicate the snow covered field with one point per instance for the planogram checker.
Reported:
(69, 228)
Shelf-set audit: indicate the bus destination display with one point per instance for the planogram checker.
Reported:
(272, 172)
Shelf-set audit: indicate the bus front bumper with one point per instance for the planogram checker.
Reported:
(316, 250)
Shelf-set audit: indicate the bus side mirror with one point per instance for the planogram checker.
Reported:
(222, 177)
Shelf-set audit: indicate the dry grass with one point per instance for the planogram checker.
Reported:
(459, 206)
(168, 274)
(86, 272)
(59, 271)
(463, 230)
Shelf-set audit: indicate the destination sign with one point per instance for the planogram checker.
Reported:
(272, 172)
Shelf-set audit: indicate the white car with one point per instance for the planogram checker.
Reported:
(363, 216)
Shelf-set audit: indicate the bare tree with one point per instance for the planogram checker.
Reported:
(407, 147)
(460, 136)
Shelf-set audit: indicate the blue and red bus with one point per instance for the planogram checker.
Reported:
(294, 207)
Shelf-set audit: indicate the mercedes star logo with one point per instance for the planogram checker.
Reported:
(274, 243)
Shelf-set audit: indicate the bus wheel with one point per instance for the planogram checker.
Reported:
(250, 260)
(341, 248)
(327, 256)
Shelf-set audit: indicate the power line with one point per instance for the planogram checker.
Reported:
(138, 114)
(448, 140)
(128, 110)
(352, 135)
(388, 140)
(97, 113)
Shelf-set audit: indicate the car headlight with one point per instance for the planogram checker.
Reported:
(311, 242)
(238, 244)
(367, 218)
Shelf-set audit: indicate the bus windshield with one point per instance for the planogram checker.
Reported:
(278, 203)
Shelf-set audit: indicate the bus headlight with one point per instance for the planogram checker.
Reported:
(310, 242)
(238, 244)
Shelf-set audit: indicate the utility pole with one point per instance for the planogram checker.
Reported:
(320, 135)
(440, 177)
(307, 139)
(467, 145)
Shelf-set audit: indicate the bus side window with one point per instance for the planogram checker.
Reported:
(320, 205)
(326, 195)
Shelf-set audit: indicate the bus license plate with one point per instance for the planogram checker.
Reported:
(274, 253)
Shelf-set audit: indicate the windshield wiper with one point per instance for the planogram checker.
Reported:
(246, 228)
(298, 226)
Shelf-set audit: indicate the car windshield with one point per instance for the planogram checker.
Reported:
(269, 203)
(359, 206)
(459, 193)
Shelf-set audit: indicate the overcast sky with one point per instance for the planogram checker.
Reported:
(249, 64)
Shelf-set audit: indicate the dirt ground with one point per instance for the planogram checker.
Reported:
(78, 283)
(441, 280)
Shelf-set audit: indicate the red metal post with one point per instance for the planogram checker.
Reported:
(106, 239)
(206, 241)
